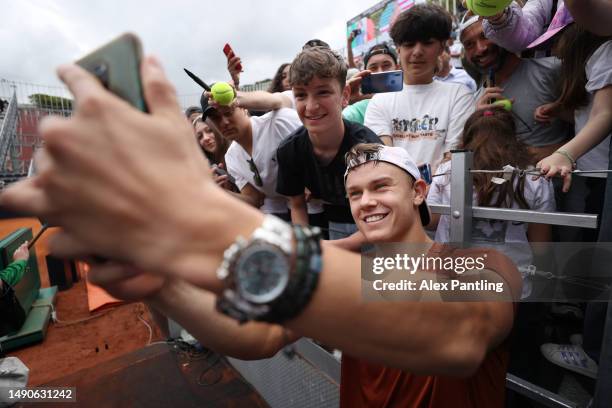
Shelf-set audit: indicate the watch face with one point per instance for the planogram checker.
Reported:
(262, 273)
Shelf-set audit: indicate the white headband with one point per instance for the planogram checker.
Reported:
(466, 23)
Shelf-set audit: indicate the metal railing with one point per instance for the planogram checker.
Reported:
(462, 211)
(8, 133)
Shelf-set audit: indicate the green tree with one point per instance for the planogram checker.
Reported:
(51, 102)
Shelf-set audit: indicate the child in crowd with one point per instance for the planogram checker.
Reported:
(312, 157)
(280, 82)
(426, 117)
(13, 315)
(491, 135)
(214, 146)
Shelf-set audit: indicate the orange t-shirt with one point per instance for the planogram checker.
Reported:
(366, 384)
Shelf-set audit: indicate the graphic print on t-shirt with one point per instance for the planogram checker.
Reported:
(417, 128)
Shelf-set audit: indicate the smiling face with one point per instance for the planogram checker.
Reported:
(380, 195)
(479, 51)
(206, 137)
(319, 104)
(381, 63)
(419, 60)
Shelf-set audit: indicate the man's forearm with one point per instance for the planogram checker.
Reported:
(194, 309)
(406, 334)
(245, 198)
(262, 100)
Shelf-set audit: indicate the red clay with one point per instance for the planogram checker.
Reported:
(71, 347)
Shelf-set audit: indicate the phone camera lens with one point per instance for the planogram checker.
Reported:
(101, 71)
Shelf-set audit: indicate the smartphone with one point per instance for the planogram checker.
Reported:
(117, 66)
(221, 172)
(229, 53)
(390, 81)
(425, 171)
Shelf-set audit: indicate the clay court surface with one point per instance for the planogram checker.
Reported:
(83, 339)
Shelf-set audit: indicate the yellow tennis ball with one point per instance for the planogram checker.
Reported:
(487, 8)
(504, 103)
(222, 93)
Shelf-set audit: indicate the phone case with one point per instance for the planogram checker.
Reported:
(117, 65)
(227, 50)
(390, 81)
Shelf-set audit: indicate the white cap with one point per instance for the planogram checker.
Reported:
(396, 156)
(468, 20)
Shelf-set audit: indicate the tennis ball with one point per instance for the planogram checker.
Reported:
(222, 93)
(504, 103)
(487, 8)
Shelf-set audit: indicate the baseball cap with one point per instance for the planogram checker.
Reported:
(192, 109)
(381, 48)
(396, 156)
(561, 20)
(207, 109)
(315, 42)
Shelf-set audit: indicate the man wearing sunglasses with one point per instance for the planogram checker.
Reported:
(251, 158)
(528, 83)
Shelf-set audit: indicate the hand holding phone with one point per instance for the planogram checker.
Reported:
(229, 53)
(117, 66)
(389, 81)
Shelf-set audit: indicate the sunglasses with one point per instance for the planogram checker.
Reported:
(256, 175)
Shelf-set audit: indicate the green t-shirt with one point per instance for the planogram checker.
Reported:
(13, 273)
(356, 112)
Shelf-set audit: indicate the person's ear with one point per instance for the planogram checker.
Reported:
(420, 192)
(346, 95)
(441, 47)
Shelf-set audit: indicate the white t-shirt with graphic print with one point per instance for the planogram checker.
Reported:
(426, 120)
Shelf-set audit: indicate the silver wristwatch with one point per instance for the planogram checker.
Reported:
(256, 271)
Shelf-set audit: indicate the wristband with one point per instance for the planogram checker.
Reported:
(568, 156)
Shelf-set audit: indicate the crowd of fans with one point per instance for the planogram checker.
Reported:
(528, 87)
(554, 72)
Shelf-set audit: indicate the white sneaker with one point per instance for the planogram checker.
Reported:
(571, 357)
